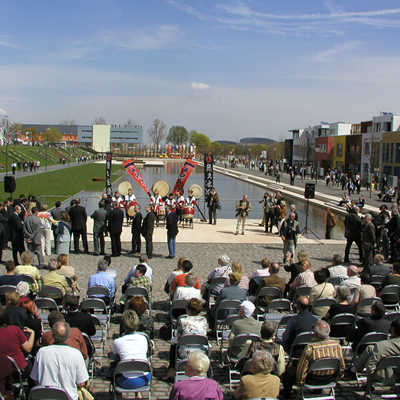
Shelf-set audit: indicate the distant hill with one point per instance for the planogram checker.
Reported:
(256, 140)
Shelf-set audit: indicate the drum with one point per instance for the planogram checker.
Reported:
(131, 211)
(161, 209)
(197, 190)
(123, 187)
(161, 187)
(188, 212)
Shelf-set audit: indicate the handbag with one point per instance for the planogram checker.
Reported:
(84, 394)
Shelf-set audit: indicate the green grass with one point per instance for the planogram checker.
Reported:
(49, 187)
(28, 153)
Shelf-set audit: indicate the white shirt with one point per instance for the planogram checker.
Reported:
(191, 201)
(131, 346)
(60, 366)
(352, 282)
(181, 201)
(260, 273)
(187, 293)
(338, 271)
(130, 197)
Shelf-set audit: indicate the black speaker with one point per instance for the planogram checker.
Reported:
(309, 191)
(9, 184)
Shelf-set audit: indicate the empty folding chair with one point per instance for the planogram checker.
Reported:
(377, 281)
(97, 307)
(103, 293)
(271, 293)
(47, 393)
(279, 305)
(234, 357)
(223, 310)
(299, 343)
(139, 368)
(342, 325)
(325, 381)
(390, 295)
(254, 285)
(45, 306)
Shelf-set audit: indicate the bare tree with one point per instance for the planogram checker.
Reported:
(157, 132)
(99, 121)
(130, 123)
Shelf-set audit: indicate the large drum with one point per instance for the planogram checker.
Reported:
(188, 212)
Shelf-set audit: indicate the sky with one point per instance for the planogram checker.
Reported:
(226, 68)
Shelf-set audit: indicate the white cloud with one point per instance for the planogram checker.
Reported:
(200, 86)
(5, 41)
(330, 54)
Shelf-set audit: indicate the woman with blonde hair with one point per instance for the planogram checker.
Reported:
(244, 282)
(68, 271)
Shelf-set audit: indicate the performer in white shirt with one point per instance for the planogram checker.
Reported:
(180, 201)
(130, 201)
(118, 199)
(191, 200)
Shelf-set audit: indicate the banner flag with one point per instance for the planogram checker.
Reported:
(186, 170)
(208, 173)
(108, 175)
(132, 170)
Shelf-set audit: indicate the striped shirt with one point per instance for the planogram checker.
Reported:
(326, 348)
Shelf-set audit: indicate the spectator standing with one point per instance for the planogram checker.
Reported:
(99, 227)
(171, 225)
(368, 240)
(16, 231)
(32, 233)
(288, 232)
(63, 234)
(115, 219)
(147, 230)
(78, 217)
(135, 230)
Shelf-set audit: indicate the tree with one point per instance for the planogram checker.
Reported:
(130, 123)
(177, 135)
(34, 134)
(216, 148)
(157, 132)
(51, 135)
(200, 140)
(99, 121)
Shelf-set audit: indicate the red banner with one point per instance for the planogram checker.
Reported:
(184, 175)
(136, 175)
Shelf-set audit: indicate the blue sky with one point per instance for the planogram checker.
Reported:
(226, 68)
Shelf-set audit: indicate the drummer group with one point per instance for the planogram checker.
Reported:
(183, 206)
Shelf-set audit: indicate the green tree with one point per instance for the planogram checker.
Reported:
(34, 134)
(216, 148)
(200, 140)
(51, 135)
(177, 135)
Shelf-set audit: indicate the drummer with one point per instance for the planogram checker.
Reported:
(130, 201)
(191, 200)
(180, 202)
(171, 201)
(118, 199)
(155, 200)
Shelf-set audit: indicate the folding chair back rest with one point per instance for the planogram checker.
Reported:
(93, 304)
(324, 302)
(368, 339)
(51, 291)
(136, 291)
(226, 308)
(97, 291)
(342, 325)
(178, 308)
(47, 393)
(91, 348)
(299, 343)
(46, 303)
(193, 340)
(270, 291)
(28, 279)
(323, 365)
(281, 305)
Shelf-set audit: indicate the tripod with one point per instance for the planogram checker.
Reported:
(306, 228)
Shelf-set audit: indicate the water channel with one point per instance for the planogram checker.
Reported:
(230, 191)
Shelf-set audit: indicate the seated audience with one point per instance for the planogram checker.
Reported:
(76, 318)
(394, 277)
(371, 356)
(10, 278)
(177, 271)
(337, 272)
(376, 322)
(15, 342)
(261, 383)
(144, 261)
(26, 268)
(274, 280)
(188, 291)
(232, 292)
(59, 365)
(321, 347)
(302, 322)
(305, 278)
(353, 281)
(15, 314)
(264, 271)
(179, 279)
(344, 303)
(323, 289)
(74, 338)
(379, 267)
(141, 280)
(223, 270)
(69, 272)
(197, 386)
(54, 279)
(102, 278)
(295, 268)
(32, 321)
(139, 305)
(245, 324)
(364, 291)
(244, 282)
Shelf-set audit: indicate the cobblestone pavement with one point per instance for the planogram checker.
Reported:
(370, 199)
(204, 258)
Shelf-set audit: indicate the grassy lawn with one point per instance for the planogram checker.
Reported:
(59, 185)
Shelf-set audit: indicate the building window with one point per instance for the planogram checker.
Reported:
(391, 152)
(396, 172)
(366, 148)
(387, 170)
(339, 150)
(397, 158)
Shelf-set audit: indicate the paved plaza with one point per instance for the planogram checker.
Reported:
(204, 257)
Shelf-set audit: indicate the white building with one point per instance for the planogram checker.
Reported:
(371, 156)
(386, 122)
(339, 129)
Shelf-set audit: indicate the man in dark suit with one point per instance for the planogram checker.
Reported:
(99, 226)
(135, 229)
(352, 232)
(368, 240)
(172, 230)
(115, 219)
(16, 228)
(78, 216)
(147, 230)
(77, 319)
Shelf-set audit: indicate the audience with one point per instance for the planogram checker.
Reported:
(232, 292)
(274, 280)
(10, 278)
(188, 291)
(223, 270)
(264, 271)
(364, 291)
(379, 267)
(323, 289)
(244, 282)
(305, 278)
(337, 270)
(139, 279)
(177, 271)
(394, 277)
(344, 303)
(69, 272)
(15, 314)
(76, 318)
(102, 278)
(143, 260)
(353, 281)
(26, 268)
(179, 279)
(139, 305)
(54, 279)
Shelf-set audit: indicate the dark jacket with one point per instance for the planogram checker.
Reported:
(83, 321)
(137, 223)
(368, 234)
(172, 224)
(367, 325)
(352, 226)
(148, 225)
(99, 220)
(379, 269)
(16, 227)
(394, 227)
(115, 219)
(78, 218)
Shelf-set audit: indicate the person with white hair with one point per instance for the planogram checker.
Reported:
(321, 347)
(102, 278)
(224, 269)
(197, 386)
